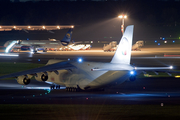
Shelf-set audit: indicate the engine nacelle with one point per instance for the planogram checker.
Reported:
(23, 80)
(41, 77)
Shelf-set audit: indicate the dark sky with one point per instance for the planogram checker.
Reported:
(98, 20)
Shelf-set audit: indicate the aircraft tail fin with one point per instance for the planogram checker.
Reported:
(123, 52)
(67, 38)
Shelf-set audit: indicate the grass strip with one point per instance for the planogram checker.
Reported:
(12, 67)
(88, 112)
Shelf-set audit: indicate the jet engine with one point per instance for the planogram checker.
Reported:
(41, 77)
(23, 80)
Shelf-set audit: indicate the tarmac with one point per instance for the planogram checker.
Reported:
(149, 90)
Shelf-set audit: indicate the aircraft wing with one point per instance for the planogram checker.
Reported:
(50, 68)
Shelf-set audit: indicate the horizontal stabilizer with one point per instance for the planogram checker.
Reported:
(153, 68)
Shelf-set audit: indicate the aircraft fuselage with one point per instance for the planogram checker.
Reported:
(85, 78)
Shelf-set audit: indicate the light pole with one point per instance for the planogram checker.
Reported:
(122, 26)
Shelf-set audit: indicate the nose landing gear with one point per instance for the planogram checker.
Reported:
(53, 87)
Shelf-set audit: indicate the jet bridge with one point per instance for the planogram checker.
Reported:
(11, 46)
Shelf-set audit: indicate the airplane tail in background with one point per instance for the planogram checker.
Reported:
(123, 52)
(67, 38)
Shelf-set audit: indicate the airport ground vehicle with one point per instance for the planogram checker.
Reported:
(111, 47)
(137, 46)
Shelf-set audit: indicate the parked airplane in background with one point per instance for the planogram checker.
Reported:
(35, 45)
(79, 75)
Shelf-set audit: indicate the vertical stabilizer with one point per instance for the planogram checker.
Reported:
(123, 52)
(67, 38)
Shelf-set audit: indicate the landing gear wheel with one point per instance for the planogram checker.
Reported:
(75, 89)
(52, 87)
(72, 89)
(58, 87)
(66, 88)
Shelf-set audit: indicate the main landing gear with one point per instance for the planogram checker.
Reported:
(72, 89)
(55, 87)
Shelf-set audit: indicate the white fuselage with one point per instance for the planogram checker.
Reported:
(85, 78)
(38, 43)
(42, 43)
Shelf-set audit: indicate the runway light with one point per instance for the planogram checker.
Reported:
(32, 52)
(9, 54)
(155, 41)
(120, 16)
(159, 44)
(177, 76)
(0, 27)
(132, 72)
(173, 41)
(80, 60)
(162, 104)
(29, 26)
(58, 27)
(72, 26)
(43, 27)
(171, 67)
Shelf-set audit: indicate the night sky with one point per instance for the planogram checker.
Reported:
(97, 20)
